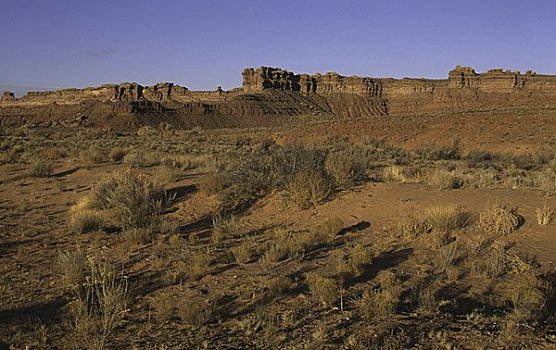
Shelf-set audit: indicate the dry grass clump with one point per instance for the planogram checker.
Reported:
(499, 219)
(277, 286)
(164, 306)
(130, 199)
(344, 167)
(293, 245)
(117, 154)
(139, 235)
(330, 229)
(440, 152)
(86, 220)
(359, 257)
(529, 295)
(223, 227)
(403, 174)
(446, 218)
(446, 256)
(308, 188)
(412, 226)
(99, 305)
(326, 290)
(380, 302)
(426, 297)
(213, 184)
(93, 154)
(443, 179)
(274, 254)
(41, 168)
(243, 253)
(481, 178)
(199, 263)
(490, 260)
(193, 312)
(167, 175)
(140, 159)
(544, 215)
(72, 265)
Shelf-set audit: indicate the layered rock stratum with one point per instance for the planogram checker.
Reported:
(268, 94)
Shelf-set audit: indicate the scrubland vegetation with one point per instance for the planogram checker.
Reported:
(191, 239)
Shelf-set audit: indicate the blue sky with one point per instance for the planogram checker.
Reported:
(205, 43)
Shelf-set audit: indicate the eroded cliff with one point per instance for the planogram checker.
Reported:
(269, 93)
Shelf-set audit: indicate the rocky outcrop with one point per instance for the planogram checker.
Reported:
(275, 92)
(8, 96)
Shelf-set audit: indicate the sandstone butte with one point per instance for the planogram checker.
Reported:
(268, 93)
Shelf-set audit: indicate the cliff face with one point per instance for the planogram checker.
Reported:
(277, 92)
(463, 89)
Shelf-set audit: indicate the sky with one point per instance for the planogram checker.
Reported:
(203, 44)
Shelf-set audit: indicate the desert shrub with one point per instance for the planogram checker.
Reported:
(277, 286)
(147, 130)
(193, 312)
(443, 179)
(344, 167)
(140, 159)
(41, 168)
(446, 218)
(344, 271)
(498, 219)
(307, 188)
(530, 295)
(12, 156)
(545, 181)
(490, 260)
(359, 257)
(243, 253)
(99, 305)
(167, 175)
(544, 215)
(438, 239)
(199, 263)
(436, 152)
(275, 253)
(223, 227)
(139, 235)
(242, 140)
(93, 154)
(54, 153)
(323, 289)
(168, 226)
(178, 162)
(481, 178)
(403, 174)
(255, 174)
(330, 229)
(214, 184)
(380, 302)
(446, 256)
(480, 158)
(426, 297)
(279, 248)
(117, 154)
(72, 265)
(131, 199)
(83, 220)
(518, 161)
(302, 242)
(412, 226)
(164, 306)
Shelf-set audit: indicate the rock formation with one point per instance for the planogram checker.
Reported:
(8, 96)
(277, 92)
